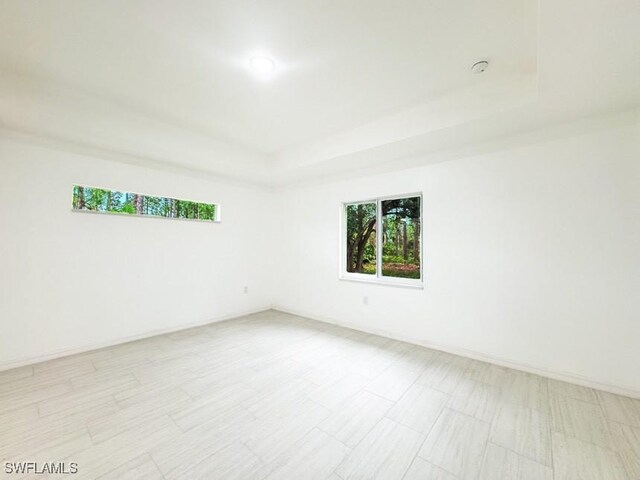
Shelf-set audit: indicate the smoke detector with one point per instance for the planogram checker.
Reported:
(479, 67)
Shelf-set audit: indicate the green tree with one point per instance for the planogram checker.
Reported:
(361, 224)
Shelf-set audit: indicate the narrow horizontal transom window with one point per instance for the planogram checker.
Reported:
(382, 240)
(100, 200)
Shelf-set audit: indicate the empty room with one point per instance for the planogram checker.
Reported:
(320, 240)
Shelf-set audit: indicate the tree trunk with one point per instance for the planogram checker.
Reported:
(405, 243)
(137, 203)
(362, 244)
(81, 199)
(360, 258)
(350, 258)
(416, 240)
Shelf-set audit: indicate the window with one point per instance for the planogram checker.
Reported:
(382, 240)
(100, 200)
(361, 239)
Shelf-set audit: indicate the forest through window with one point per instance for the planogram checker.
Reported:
(383, 237)
(114, 201)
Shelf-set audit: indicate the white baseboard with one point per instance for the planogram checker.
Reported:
(21, 362)
(563, 376)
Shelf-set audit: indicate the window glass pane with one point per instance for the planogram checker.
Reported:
(361, 238)
(401, 237)
(112, 201)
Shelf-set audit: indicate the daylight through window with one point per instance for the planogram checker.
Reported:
(361, 238)
(112, 201)
(383, 239)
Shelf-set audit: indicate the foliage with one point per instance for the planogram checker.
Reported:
(361, 222)
(111, 201)
(401, 270)
(400, 237)
(369, 268)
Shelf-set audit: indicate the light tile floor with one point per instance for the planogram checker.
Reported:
(275, 396)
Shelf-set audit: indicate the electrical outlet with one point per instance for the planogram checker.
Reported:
(365, 300)
(246, 289)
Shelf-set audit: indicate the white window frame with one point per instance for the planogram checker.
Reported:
(378, 278)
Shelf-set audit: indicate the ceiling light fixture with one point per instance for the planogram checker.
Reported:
(479, 67)
(262, 65)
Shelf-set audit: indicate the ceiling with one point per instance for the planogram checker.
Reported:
(359, 85)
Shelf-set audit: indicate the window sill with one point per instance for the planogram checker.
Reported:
(388, 282)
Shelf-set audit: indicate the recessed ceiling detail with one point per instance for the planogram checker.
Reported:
(361, 83)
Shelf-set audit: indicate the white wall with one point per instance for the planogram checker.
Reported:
(70, 281)
(532, 257)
